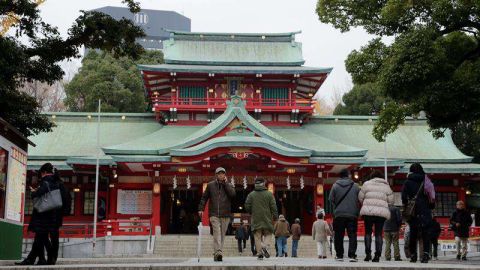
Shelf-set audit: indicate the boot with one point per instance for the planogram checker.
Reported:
(376, 258)
(368, 257)
(413, 258)
(425, 258)
(25, 262)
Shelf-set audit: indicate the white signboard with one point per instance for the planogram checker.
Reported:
(450, 245)
(16, 181)
(134, 202)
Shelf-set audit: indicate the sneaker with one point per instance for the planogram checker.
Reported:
(368, 258)
(260, 256)
(398, 259)
(339, 259)
(388, 259)
(353, 259)
(376, 258)
(265, 253)
(464, 258)
(458, 257)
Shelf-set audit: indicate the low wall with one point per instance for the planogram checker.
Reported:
(105, 246)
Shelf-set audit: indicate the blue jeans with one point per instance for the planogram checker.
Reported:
(282, 245)
(294, 248)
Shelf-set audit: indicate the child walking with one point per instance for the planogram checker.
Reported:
(320, 231)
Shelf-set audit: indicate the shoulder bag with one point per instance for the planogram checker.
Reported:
(49, 201)
(409, 211)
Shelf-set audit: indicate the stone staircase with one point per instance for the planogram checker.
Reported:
(170, 246)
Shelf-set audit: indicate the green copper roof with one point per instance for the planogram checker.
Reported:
(412, 142)
(234, 69)
(233, 49)
(75, 133)
(321, 146)
(240, 141)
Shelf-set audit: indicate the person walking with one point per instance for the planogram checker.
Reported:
(435, 234)
(252, 241)
(344, 197)
(461, 221)
(282, 232)
(419, 188)
(261, 205)
(320, 232)
(241, 236)
(45, 223)
(375, 196)
(391, 232)
(219, 194)
(296, 235)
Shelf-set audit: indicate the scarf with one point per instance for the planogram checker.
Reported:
(429, 189)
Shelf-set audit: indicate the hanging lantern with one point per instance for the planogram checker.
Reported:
(175, 182)
(232, 180)
(288, 183)
(302, 182)
(156, 188)
(319, 189)
(271, 188)
(245, 182)
(188, 182)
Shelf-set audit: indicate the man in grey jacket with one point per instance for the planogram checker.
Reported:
(344, 197)
(219, 194)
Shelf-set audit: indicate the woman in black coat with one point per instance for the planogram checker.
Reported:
(422, 218)
(48, 222)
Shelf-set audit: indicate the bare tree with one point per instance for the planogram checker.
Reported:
(50, 97)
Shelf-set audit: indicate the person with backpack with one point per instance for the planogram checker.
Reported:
(344, 197)
(391, 230)
(241, 235)
(418, 198)
(375, 196)
(461, 221)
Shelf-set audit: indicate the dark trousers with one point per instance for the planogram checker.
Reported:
(415, 229)
(53, 254)
(252, 244)
(40, 243)
(340, 224)
(370, 223)
(240, 245)
(435, 247)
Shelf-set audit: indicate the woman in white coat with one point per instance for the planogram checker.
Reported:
(375, 196)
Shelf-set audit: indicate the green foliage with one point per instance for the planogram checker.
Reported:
(117, 82)
(39, 60)
(433, 65)
(363, 99)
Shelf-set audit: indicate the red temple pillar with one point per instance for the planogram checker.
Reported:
(156, 209)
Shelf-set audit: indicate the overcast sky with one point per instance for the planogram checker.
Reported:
(323, 46)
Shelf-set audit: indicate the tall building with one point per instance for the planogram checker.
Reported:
(155, 23)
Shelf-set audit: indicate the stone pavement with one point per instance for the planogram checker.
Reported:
(245, 263)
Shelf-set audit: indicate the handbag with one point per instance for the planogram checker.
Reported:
(409, 211)
(51, 200)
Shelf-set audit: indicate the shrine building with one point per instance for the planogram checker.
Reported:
(243, 102)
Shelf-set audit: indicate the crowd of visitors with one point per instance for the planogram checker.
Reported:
(373, 201)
